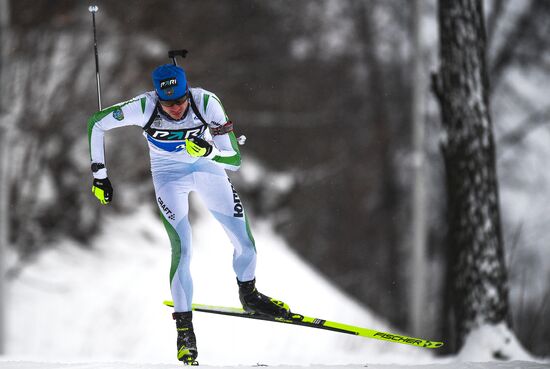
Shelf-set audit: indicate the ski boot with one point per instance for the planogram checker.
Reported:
(258, 303)
(187, 343)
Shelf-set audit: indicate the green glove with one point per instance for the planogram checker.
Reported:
(197, 147)
(103, 190)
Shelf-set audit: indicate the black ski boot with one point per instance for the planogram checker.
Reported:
(258, 303)
(187, 343)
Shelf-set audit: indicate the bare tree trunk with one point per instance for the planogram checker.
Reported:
(417, 294)
(4, 220)
(378, 135)
(4, 180)
(478, 279)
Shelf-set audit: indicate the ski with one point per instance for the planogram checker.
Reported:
(298, 319)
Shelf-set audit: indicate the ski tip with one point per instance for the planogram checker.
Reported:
(168, 303)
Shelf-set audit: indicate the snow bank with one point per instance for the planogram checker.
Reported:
(490, 342)
(77, 309)
(106, 304)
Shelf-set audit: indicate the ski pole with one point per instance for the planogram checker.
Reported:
(93, 9)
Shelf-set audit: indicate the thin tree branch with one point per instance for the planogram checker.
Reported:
(504, 56)
(528, 125)
(493, 20)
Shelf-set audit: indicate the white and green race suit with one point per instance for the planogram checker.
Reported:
(176, 173)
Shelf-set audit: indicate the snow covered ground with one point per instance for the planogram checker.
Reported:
(79, 309)
(455, 365)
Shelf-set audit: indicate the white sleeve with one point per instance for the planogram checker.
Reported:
(226, 150)
(132, 112)
(215, 116)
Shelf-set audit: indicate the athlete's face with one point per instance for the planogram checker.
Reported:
(175, 108)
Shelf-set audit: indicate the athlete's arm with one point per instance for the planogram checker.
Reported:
(226, 149)
(132, 112)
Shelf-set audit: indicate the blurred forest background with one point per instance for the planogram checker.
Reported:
(323, 90)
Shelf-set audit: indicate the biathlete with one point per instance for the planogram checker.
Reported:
(191, 144)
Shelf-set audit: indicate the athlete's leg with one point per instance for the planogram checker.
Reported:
(224, 203)
(172, 200)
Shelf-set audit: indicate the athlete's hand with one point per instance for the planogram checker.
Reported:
(103, 190)
(197, 147)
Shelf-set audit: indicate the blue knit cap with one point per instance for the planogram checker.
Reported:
(170, 82)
